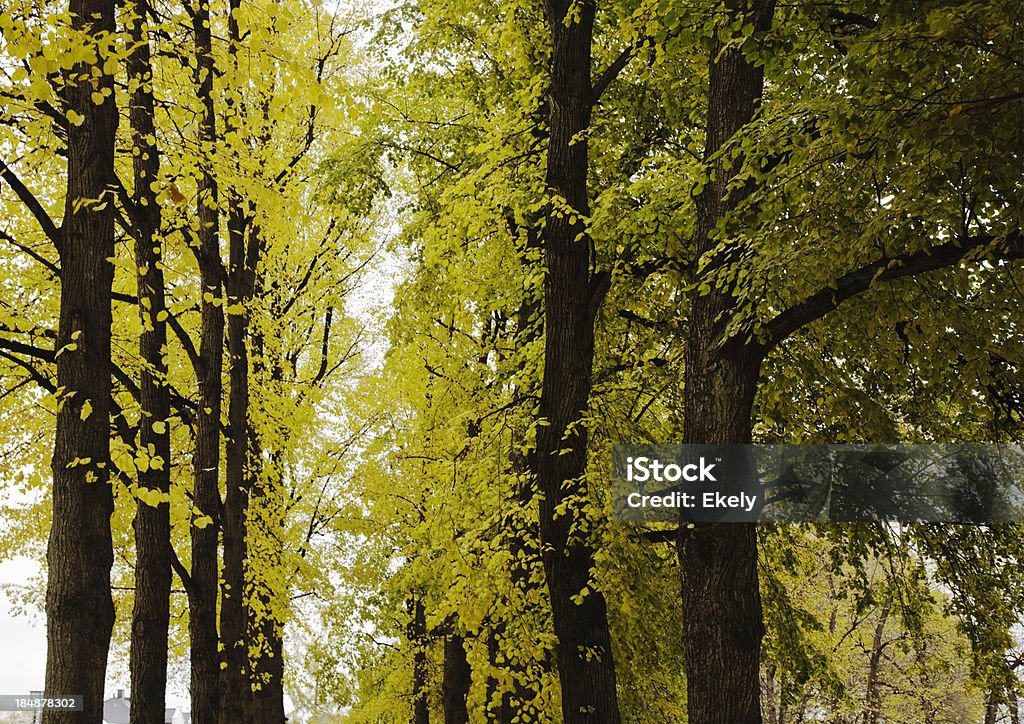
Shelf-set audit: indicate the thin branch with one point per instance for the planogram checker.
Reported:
(31, 252)
(30, 201)
(186, 342)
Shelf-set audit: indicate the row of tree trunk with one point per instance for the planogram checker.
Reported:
(80, 612)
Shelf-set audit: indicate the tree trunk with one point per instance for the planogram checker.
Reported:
(722, 624)
(771, 695)
(268, 673)
(416, 632)
(202, 593)
(873, 695)
(236, 693)
(991, 707)
(456, 681)
(583, 649)
(521, 540)
(151, 613)
(266, 527)
(267, 511)
(79, 607)
(236, 677)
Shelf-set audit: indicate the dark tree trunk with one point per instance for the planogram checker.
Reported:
(583, 649)
(456, 681)
(416, 632)
(237, 703)
(267, 510)
(79, 607)
(268, 670)
(236, 693)
(266, 524)
(722, 625)
(522, 542)
(151, 613)
(202, 594)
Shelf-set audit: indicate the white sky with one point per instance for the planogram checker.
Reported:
(23, 663)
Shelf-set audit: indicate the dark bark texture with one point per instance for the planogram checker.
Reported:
(235, 688)
(456, 681)
(571, 296)
(266, 527)
(416, 631)
(202, 593)
(79, 607)
(722, 625)
(151, 612)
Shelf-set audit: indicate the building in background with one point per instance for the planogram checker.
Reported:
(117, 709)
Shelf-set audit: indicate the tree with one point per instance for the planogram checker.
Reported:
(727, 346)
(79, 608)
(151, 613)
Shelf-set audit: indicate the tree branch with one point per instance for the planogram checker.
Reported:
(611, 73)
(40, 379)
(186, 342)
(179, 568)
(46, 355)
(30, 201)
(31, 252)
(883, 270)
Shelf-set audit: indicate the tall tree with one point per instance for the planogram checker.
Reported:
(206, 524)
(151, 611)
(572, 296)
(79, 607)
(722, 624)
(742, 222)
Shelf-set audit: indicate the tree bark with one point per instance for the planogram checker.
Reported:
(416, 631)
(456, 682)
(236, 693)
(266, 525)
(722, 625)
(267, 511)
(151, 613)
(79, 607)
(572, 296)
(202, 593)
